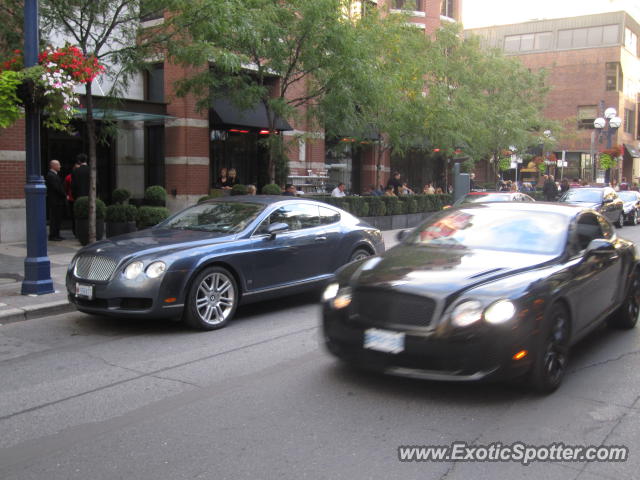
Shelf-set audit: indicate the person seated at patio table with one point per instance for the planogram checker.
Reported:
(388, 192)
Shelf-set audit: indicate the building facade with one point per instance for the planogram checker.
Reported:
(163, 139)
(592, 64)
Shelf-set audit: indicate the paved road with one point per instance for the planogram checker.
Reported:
(96, 398)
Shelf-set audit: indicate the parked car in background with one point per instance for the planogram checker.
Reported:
(602, 199)
(491, 290)
(478, 197)
(204, 261)
(631, 206)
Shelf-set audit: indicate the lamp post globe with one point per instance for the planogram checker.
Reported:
(610, 113)
(599, 122)
(615, 122)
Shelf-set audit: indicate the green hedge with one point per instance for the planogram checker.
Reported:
(150, 216)
(239, 189)
(381, 206)
(271, 189)
(81, 208)
(120, 195)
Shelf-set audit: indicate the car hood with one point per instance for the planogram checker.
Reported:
(442, 271)
(592, 205)
(159, 241)
(628, 206)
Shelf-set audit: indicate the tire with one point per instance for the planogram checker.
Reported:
(620, 222)
(550, 364)
(634, 218)
(212, 299)
(359, 254)
(626, 317)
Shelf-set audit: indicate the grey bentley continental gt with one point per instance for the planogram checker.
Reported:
(204, 261)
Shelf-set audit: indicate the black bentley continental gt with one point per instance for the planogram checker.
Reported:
(495, 290)
(204, 261)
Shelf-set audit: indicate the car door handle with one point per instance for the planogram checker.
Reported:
(321, 239)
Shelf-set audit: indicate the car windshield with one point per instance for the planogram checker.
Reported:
(493, 197)
(582, 195)
(221, 217)
(486, 228)
(628, 196)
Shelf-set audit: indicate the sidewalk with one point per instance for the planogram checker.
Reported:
(15, 307)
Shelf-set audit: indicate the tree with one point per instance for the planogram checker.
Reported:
(282, 55)
(11, 25)
(109, 31)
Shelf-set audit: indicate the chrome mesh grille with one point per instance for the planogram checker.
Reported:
(90, 267)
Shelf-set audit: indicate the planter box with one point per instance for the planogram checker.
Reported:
(398, 221)
(370, 220)
(383, 223)
(413, 219)
(120, 228)
(82, 230)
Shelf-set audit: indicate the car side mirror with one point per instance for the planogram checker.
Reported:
(402, 234)
(599, 245)
(276, 228)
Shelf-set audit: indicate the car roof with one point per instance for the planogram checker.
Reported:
(263, 199)
(543, 207)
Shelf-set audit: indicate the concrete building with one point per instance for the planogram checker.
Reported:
(592, 64)
(164, 140)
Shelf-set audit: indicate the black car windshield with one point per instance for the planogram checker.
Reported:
(628, 195)
(221, 217)
(484, 197)
(504, 230)
(582, 195)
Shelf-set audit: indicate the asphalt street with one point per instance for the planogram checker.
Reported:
(97, 398)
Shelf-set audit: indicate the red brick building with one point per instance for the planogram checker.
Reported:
(163, 139)
(592, 64)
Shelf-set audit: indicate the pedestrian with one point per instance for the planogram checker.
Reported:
(395, 182)
(56, 198)
(549, 188)
(290, 190)
(388, 192)
(564, 186)
(80, 177)
(251, 190)
(624, 185)
(339, 190)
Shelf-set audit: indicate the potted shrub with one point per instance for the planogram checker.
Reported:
(81, 214)
(155, 196)
(271, 189)
(120, 196)
(149, 216)
(239, 189)
(120, 219)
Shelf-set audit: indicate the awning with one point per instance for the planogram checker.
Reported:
(633, 151)
(227, 114)
(132, 110)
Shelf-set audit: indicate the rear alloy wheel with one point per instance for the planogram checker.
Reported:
(552, 356)
(359, 254)
(634, 218)
(626, 316)
(212, 299)
(620, 222)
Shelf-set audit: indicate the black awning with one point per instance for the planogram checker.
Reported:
(227, 114)
(633, 151)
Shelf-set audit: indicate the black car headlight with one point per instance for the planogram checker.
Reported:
(471, 311)
(337, 297)
(499, 312)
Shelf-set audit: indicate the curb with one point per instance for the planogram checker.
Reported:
(13, 315)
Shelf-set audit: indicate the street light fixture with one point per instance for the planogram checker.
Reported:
(608, 125)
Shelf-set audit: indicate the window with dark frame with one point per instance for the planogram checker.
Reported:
(629, 121)
(614, 77)
(146, 14)
(154, 83)
(413, 5)
(586, 115)
(447, 9)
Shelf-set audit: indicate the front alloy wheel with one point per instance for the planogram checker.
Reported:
(212, 299)
(626, 316)
(551, 360)
(359, 254)
(620, 222)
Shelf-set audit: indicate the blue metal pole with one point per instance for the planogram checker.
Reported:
(37, 268)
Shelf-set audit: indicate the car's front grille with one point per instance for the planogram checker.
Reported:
(90, 267)
(383, 307)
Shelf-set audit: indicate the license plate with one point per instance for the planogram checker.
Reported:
(384, 340)
(85, 291)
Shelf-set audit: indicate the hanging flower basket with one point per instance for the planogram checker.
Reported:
(50, 85)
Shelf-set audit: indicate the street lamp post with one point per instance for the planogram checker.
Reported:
(608, 125)
(37, 268)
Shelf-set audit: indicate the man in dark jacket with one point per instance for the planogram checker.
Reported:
(80, 177)
(549, 188)
(56, 198)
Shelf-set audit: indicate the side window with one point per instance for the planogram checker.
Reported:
(297, 216)
(328, 216)
(588, 227)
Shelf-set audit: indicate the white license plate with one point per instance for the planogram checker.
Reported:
(384, 340)
(85, 291)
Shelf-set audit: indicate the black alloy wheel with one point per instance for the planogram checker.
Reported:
(634, 218)
(551, 360)
(620, 222)
(626, 316)
(359, 254)
(212, 299)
